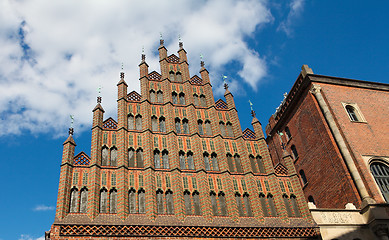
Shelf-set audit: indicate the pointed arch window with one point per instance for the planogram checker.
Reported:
(132, 201)
(130, 121)
(113, 201)
(206, 161)
(152, 96)
(230, 163)
(196, 203)
(154, 124)
(83, 200)
(222, 129)
(188, 204)
(189, 157)
(174, 98)
(214, 203)
(178, 77)
(380, 173)
(165, 159)
(303, 177)
(239, 204)
(253, 165)
(230, 132)
(73, 200)
(139, 158)
(208, 128)
(169, 202)
(203, 101)
(294, 151)
(131, 157)
(185, 126)
(311, 199)
(237, 163)
(171, 75)
(162, 126)
(222, 203)
(261, 166)
(352, 113)
(141, 201)
(287, 132)
(178, 125)
(104, 156)
(138, 122)
(200, 125)
(103, 201)
(263, 201)
(293, 202)
(160, 96)
(247, 205)
(157, 162)
(114, 154)
(195, 99)
(160, 201)
(215, 165)
(182, 98)
(287, 205)
(272, 206)
(181, 156)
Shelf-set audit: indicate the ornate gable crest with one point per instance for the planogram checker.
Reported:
(110, 124)
(280, 169)
(196, 80)
(134, 97)
(154, 76)
(220, 104)
(173, 59)
(81, 159)
(248, 134)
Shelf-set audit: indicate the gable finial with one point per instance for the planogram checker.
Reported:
(122, 73)
(99, 95)
(160, 39)
(201, 60)
(143, 54)
(180, 44)
(71, 130)
(225, 83)
(252, 110)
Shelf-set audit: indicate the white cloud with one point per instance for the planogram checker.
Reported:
(296, 8)
(55, 54)
(42, 207)
(28, 237)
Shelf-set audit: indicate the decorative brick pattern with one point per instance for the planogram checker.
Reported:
(196, 80)
(134, 97)
(220, 104)
(81, 159)
(281, 170)
(248, 134)
(110, 124)
(154, 76)
(173, 59)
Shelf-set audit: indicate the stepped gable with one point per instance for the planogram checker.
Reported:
(110, 123)
(81, 159)
(248, 134)
(220, 104)
(280, 169)
(173, 59)
(196, 80)
(134, 97)
(154, 76)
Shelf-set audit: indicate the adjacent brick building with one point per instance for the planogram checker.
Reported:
(337, 132)
(177, 164)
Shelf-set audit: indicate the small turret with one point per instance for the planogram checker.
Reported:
(256, 125)
(182, 53)
(162, 50)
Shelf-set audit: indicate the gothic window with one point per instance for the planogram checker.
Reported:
(165, 159)
(311, 199)
(174, 98)
(215, 165)
(157, 162)
(113, 201)
(352, 113)
(196, 203)
(237, 163)
(162, 126)
(208, 128)
(293, 202)
(131, 157)
(230, 163)
(214, 203)
(294, 151)
(182, 98)
(203, 102)
(130, 122)
(222, 129)
(169, 202)
(262, 199)
(239, 204)
(206, 161)
(160, 96)
(287, 205)
(200, 124)
(272, 206)
(260, 164)
(73, 200)
(104, 156)
(138, 122)
(185, 126)
(178, 125)
(152, 96)
(303, 177)
(252, 163)
(83, 200)
(229, 129)
(188, 204)
(287, 132)
(182, 160)
(190, 160)
(178, 77)
(195, 99)
(103, 200)
(380, 173)
(141, 201)
(154, 124)
(222, 203)
(160, 201)
(139, 158)
(247, 205)
(114, 157)
(171, 76)
(132, 201)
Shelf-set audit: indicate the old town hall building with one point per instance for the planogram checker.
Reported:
(176, 164)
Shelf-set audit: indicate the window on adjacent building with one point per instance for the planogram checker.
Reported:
(380, 173)
(303, 177)
(287, 132)
(294, 151)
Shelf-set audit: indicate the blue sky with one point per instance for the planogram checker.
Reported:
(54, 55)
